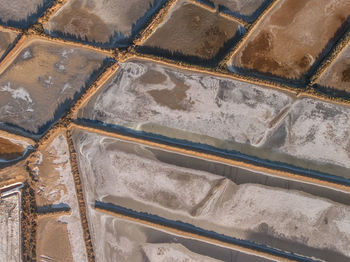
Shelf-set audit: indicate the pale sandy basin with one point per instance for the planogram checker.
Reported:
(226, 114)
(116, 239)
(132, 176)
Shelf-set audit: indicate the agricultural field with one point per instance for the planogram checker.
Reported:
(42, 67)
(6, 39)
(108, 23)
(10, 223)
(193, 31)
(337, 75)
(304, 28)
(285, 219)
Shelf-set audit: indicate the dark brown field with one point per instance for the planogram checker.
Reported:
(193, 31)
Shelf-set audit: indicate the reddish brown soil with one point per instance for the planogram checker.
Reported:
(292, 36)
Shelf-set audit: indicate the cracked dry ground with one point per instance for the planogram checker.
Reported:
(174, 130)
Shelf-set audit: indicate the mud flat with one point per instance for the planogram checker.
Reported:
(193, 31)
(6, 39)
(107, 23)
(42, 81)
(337, 75)
(291, 37)
(55, 192)
(21, 13)
(10, 236)
(138, 243)
(119, 173)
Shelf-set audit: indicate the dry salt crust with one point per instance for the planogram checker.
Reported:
(214, 107)
(243, 7)
(40, 79)
(17, 10)
(227, 114)
(116, 239)
(315, 130)
(125, 174)
(9, 228)
(6, 39)
(59, 152)
(99, 20)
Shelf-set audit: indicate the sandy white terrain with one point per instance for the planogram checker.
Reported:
(227, 114)
(10, 228)
(160, 99)
(128, 175)
(317, 131)
(56, 186)
(116, 239)
(41, 79)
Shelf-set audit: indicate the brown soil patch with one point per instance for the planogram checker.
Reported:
(346, 74)
(192, 30)
(9, 150)
(53, 240)
(172, 98)
(152, 77)
(80, 22)
(291, 36)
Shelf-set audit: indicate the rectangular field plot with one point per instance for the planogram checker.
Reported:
(118, 173)
(291, 36)
(189, 30)
(10, 223)
(140, 243)
(106, 23)
(199, 110)
(42, 81)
